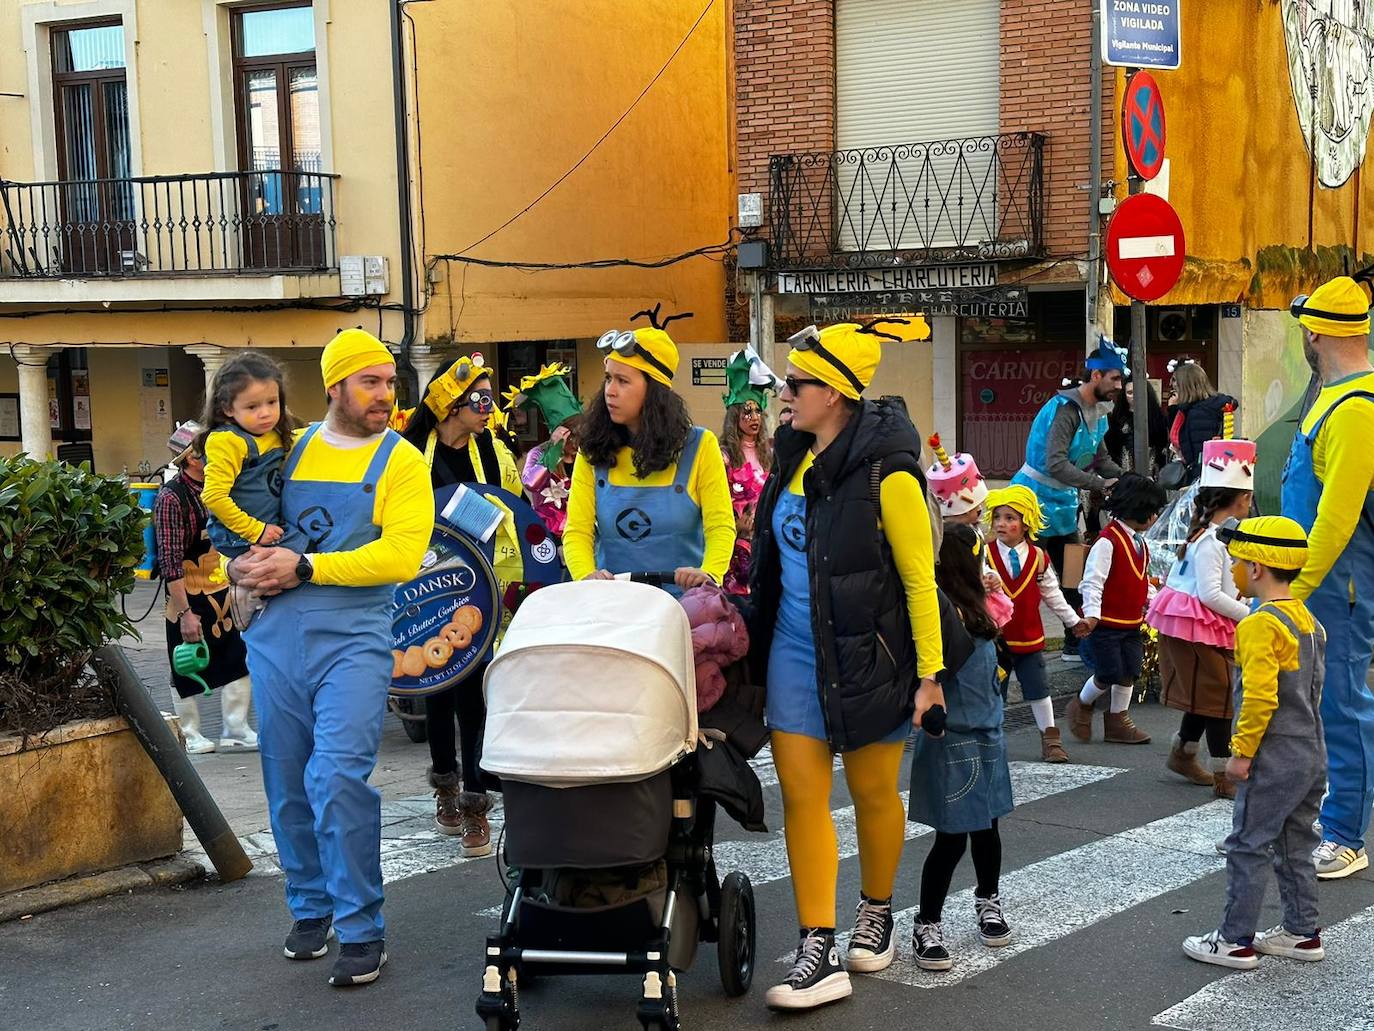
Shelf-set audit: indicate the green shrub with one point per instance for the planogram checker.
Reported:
(69, 542)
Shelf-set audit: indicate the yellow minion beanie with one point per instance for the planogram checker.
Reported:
(1274, 541)
(1022, 501)
(662, 359)
(845, 356)
(352, 351)
(1337, 308)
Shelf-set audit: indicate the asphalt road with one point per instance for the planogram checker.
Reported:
(1106, 868)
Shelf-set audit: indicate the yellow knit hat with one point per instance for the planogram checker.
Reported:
(350, 352)
(1337, 308)
(1022, 501)
(649, 350)
(1274, 541)
(845, 356)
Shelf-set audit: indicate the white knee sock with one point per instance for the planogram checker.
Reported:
(1121, 697)
(1043, 710)
(1091, 692)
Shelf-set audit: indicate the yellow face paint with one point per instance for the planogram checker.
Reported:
(1240, 572)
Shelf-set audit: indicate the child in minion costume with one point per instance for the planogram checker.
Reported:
(675, 518)
(1328, 489)
(320, 655)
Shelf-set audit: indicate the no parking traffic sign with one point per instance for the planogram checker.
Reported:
(1142, 125)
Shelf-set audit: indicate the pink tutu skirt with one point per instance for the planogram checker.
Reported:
(1185, 617)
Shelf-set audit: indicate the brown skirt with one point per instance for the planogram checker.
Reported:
(1196, 677)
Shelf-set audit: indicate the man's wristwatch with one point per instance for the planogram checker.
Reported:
(304, 570)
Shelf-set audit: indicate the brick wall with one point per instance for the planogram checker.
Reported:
(1046, 87)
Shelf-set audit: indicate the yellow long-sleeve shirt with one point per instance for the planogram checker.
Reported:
(1344, 463)
(707, 486)
(225, 453)
(1264, 648)
(905, 521)
(403, 509)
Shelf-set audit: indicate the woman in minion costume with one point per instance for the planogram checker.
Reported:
(649, 491)
(451, 430)
(848, 627)
(1328, 489)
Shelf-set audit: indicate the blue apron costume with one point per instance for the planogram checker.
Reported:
(650, 529)
(1058, 501)
(256, 490)
(320, 658)
(960, 782)
(793, 703)
(1347, 706)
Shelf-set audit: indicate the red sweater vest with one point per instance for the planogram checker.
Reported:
(1025, 633)
(1127, 588)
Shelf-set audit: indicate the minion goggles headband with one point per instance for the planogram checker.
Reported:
(809, 339)
(1230, 534)
(624, 342)
(1299, 308)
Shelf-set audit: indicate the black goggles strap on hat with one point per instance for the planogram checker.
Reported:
(814, 344)
(635, 347)
(1227, 536)
(1299, 308)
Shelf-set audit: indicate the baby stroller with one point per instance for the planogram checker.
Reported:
(592, 728)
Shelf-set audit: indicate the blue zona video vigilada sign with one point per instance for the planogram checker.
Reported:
(1141, 33)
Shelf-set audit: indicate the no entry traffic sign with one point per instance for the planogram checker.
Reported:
(1145, 247)
(1142, 125)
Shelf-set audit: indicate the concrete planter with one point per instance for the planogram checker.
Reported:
(82, 799)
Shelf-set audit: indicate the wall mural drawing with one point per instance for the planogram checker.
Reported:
(1331, 67)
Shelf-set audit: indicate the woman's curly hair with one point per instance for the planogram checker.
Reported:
(663, 428)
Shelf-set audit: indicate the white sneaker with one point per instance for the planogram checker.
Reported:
(1335, 860)
(1280, 942)
(197, 744)
(244, 741)
(815, 978)
(1213, 948)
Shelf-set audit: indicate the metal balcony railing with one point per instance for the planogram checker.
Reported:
(211, 223)
(942, 200)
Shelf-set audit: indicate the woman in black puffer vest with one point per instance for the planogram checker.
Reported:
(843, 570)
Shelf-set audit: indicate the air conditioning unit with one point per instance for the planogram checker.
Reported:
(1173, 324)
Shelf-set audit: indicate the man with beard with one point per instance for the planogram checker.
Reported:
(1066, 454)
(320, 655)
(1328, 488)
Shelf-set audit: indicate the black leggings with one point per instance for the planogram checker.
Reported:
(463, 701)
(944, 857)
(1217, 729)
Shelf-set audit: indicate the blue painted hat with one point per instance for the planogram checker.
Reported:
(1108, 358)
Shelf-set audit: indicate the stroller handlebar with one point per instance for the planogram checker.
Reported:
(657, 578)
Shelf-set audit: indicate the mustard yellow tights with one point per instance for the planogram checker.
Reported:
(804, 775)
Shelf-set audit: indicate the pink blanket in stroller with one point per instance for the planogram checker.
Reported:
(719, 638)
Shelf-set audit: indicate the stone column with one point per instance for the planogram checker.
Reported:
(35, 429)
(212, 357)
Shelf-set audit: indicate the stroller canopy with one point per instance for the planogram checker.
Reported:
(594, 682)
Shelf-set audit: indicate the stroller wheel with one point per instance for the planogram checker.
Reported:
(735, 951)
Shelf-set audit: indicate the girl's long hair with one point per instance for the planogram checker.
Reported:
(1209, 501)
(229, 380)
(422, 420)
(732, 443)
(663, 428)
(959, 573)
(1191, 382)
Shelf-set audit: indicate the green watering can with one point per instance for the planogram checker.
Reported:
(190, 659)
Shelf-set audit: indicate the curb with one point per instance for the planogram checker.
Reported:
(159, 874)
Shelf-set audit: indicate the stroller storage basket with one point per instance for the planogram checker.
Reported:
(589, 827)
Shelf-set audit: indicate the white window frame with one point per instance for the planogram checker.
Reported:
(219, 44)
(37, 24)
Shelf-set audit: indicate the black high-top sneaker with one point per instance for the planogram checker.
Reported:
(871, 945)
(816, 977)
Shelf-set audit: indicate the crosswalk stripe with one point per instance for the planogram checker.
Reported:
(1286, 995)
(766, 861)
(1053, 898)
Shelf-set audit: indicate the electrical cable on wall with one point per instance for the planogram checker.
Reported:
(710, 251)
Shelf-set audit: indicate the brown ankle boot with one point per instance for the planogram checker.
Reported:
(1183, 761)
(1222, 785)
(472, 808)
(1119, 729)
(1052, 746)
(1080, 719)
(446, 792)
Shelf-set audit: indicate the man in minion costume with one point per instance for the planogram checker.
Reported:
(1065, 453)
(320, 655)
(1328, 488)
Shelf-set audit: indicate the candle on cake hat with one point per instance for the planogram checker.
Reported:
(1229, 461)
(955, 481)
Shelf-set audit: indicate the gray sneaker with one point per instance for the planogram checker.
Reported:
(1335, 860)
(309, 939)
(358, 963)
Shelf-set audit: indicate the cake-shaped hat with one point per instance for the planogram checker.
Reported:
(1227, 461)
(955, 481)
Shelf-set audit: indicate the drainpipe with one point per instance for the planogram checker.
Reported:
(1094, 179)
(398, 80)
